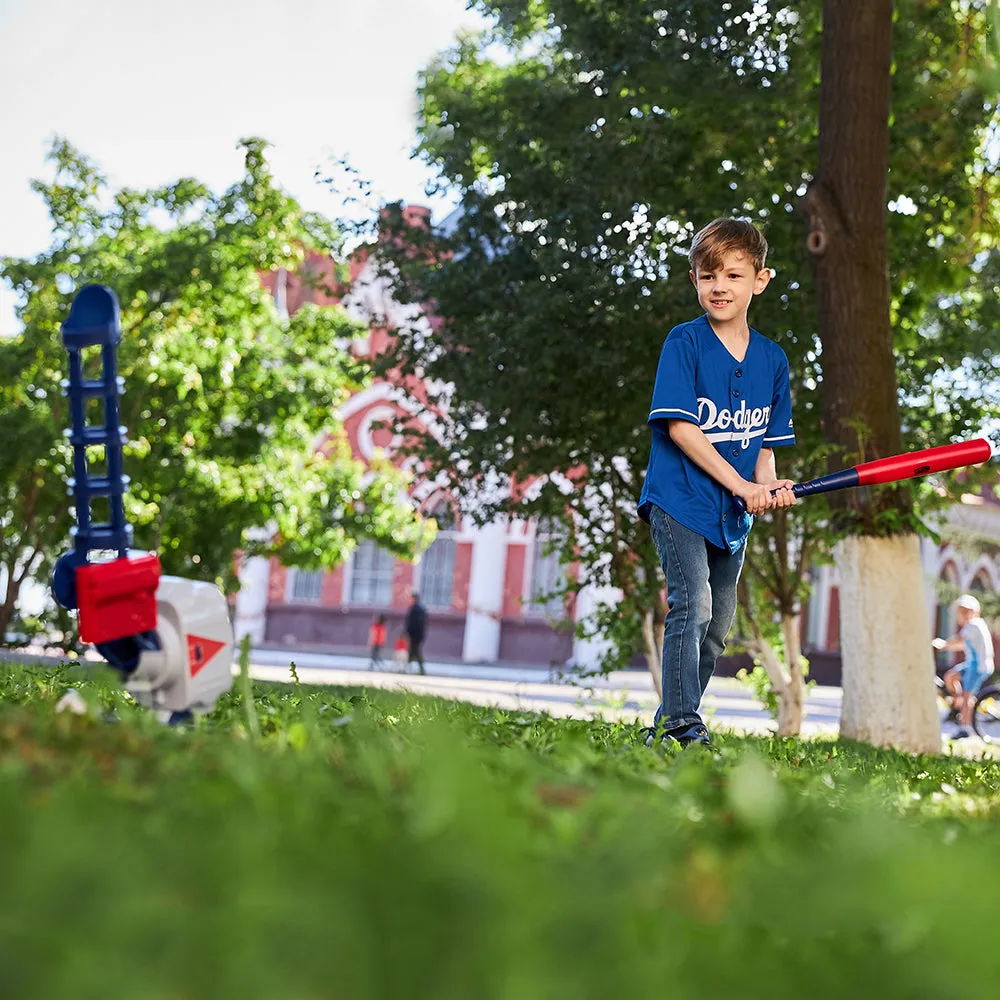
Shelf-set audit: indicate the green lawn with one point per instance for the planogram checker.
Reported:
(373, 844)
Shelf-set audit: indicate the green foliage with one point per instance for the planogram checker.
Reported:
(760, 684)
(971, 545)
(947, 593)
(372, 843)
(586, 142)
(989, 72)
(225, 400)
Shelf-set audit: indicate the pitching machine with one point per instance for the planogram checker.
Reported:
(169, 638)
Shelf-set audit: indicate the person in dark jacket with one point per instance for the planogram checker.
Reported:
(415, 628)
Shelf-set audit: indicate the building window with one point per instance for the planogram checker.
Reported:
(437, 565)
(547, 573)
(306, 586)
(437, 573)
(371, 575)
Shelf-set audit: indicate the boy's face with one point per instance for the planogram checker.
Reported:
(725, 293)
(964, 616)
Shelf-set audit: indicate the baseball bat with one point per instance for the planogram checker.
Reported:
(896, 468)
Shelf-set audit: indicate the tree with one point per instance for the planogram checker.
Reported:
(586, 142)
(884, 635)
(782, 552)
(225, 400)
(547, 234)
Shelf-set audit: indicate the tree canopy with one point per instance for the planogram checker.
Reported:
(225, 400)
(586, 143)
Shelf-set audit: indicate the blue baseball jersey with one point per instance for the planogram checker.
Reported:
(742, 406)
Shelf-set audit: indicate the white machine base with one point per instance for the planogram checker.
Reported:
(193, 665)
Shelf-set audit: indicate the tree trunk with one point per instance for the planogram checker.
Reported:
(791, 701)
(652, 634)
(786, 679)
(846, 204)
(69, 628)
(888, 668)
(847, 207)
(6, 613)
(9, 604)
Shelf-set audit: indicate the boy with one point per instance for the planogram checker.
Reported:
(965, 680)
(721, 404)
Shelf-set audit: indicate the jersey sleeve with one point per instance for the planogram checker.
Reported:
(780, 431)
(674, 396)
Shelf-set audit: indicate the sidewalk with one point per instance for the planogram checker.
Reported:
(336, 661)
(524, 674)
(625, 695)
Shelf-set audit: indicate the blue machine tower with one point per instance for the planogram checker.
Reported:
(169, 637)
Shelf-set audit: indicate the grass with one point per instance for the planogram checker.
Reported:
(377, 844)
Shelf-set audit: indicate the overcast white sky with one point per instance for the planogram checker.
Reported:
(154, 91)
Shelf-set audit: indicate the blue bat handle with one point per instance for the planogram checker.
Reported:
(842, 480)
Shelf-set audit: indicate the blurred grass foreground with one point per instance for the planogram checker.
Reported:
(374, 844)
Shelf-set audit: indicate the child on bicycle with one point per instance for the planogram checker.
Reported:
(964, 681)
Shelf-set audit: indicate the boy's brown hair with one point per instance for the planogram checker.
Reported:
(724, 236)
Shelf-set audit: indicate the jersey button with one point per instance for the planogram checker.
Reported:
(736, 453)
(739, 373)
(736, 392)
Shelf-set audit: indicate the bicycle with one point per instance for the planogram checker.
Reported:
(986, 711)
(944, 697)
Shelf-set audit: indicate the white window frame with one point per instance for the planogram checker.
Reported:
(291, 584)
(555, 607)
(420, 584)
(352, 580)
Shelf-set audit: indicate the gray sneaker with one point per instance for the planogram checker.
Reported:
(685, 737)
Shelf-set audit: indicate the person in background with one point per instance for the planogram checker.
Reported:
(415, 628)
(965, 680)
(376, 640)
(401, 650)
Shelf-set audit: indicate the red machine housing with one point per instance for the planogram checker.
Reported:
(117, 598)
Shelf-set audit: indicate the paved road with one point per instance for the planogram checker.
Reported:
(625, 695)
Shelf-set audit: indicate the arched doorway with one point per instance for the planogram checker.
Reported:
(945, 622)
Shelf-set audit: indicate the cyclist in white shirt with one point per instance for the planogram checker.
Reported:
(965, 680)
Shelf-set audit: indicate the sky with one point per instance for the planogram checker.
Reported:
(155, 91)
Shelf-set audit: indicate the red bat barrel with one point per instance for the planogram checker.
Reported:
(896, 468)
(922, 463)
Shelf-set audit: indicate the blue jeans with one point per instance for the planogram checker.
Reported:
(701, 606)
